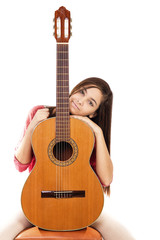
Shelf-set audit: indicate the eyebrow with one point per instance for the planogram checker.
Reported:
(85, 89)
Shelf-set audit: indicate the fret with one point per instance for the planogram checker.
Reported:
(62, 63)
(62, 55)
(59, 139)
(59, 51)
(63, 74)
(62, 136)
(59, 130)
(61, 83)
(61, 92)
(62, 80)
(64, 126)
(62, 66)
(59, 126)
(58, 98)
(61, 104)
(62, 46)
(62, 96)
(61, 116)
(66, 59)
(62, 70)
(63, 112)
(60, 122)
(63, 51)
(64, 130)
(62, 107)
(65, 138)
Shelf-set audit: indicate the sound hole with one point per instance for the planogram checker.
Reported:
(62, 151)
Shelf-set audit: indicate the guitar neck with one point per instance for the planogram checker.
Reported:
(62, 93)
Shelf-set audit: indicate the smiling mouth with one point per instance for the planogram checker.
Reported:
(75, 106)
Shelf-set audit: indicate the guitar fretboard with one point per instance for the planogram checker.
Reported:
(62, 94)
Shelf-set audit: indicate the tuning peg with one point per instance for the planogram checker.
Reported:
(53, 19)
(70, 19)
(54, 26)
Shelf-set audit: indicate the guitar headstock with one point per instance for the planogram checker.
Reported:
(62, 25)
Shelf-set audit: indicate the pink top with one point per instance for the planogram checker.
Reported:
(22, 167)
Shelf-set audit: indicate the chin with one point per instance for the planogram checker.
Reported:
(73, 111)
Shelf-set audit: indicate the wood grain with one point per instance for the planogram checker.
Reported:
(62, 214)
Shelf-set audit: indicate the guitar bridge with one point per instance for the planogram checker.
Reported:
(62, 194)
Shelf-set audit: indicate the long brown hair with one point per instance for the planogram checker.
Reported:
(104, 112)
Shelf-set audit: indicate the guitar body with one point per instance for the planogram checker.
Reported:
(62, 193)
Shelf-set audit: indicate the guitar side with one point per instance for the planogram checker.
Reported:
(62, 195)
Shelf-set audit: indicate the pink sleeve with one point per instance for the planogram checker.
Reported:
(19, 166)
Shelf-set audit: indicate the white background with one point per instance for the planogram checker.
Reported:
(118, 41)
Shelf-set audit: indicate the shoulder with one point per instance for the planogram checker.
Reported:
(31, 114)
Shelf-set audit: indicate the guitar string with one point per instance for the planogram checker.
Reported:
(57, 127)
(64, 107)
(56, 116)
(67, 115)
(65, 145)
(62, 94)
(61, 120)
(68, 122)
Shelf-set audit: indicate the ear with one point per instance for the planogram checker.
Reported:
(93, 115)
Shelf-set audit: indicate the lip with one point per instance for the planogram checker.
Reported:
(74, 105)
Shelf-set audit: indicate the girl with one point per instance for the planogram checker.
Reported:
(91, 102)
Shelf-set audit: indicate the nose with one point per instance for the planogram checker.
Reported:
(80, 101)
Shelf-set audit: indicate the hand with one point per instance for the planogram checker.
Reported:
(40, 115)
(96, 129)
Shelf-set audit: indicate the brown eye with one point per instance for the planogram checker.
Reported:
(82, 92)
(91, 103)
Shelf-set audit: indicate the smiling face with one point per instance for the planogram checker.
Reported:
(85, 102)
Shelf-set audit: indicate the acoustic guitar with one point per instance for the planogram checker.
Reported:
(62, 193)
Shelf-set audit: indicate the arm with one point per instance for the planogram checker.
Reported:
(24, 151)
(104, 166)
